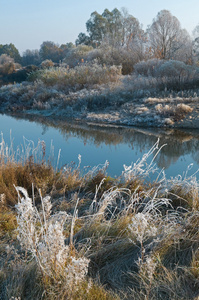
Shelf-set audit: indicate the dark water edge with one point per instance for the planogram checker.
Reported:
(98, 142)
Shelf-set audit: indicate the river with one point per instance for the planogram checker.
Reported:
(96, 144)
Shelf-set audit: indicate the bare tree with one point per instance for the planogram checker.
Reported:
(133, 35)
(196, 44)
(165, 36)
(183, 48)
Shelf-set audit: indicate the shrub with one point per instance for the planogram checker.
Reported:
(179, 110)
(7, 65)
(165, 68)
(113, 56)
(149, 67)
(77, 55)
(47, 63)
(174, 68)
(78, 77)
(164, 75)
(21, 74)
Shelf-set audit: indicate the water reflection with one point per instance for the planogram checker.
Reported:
(182, 146)
(178, 143)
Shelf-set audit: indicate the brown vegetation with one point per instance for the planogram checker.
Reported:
(141, 239)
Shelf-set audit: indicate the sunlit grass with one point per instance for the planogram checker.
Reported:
(74, 236)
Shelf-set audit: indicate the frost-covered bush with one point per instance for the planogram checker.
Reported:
(78, 77)
(183, 108)
(178, 110)
(164, 75)
(7, 64)
(47, 63)
(142, 226)
(166, 69)
(149, 67)
(114, 56)
(77, 55)
(174, 68)
(41, 234)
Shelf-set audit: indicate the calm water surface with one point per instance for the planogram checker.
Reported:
(96, 144)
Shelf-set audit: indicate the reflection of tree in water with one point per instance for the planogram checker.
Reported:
(44, 129)
(179, 143)
(195, 153)
(92, 136)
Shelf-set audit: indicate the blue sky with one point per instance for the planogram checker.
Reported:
(27, 23)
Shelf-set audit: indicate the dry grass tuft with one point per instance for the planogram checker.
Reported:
(99, 238)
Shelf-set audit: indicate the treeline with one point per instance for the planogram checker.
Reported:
(113, 38)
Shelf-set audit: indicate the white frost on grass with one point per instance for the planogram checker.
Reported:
(141, 168)
(41, 234)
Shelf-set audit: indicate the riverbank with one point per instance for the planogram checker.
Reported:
(68, 236)
(117, 103)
